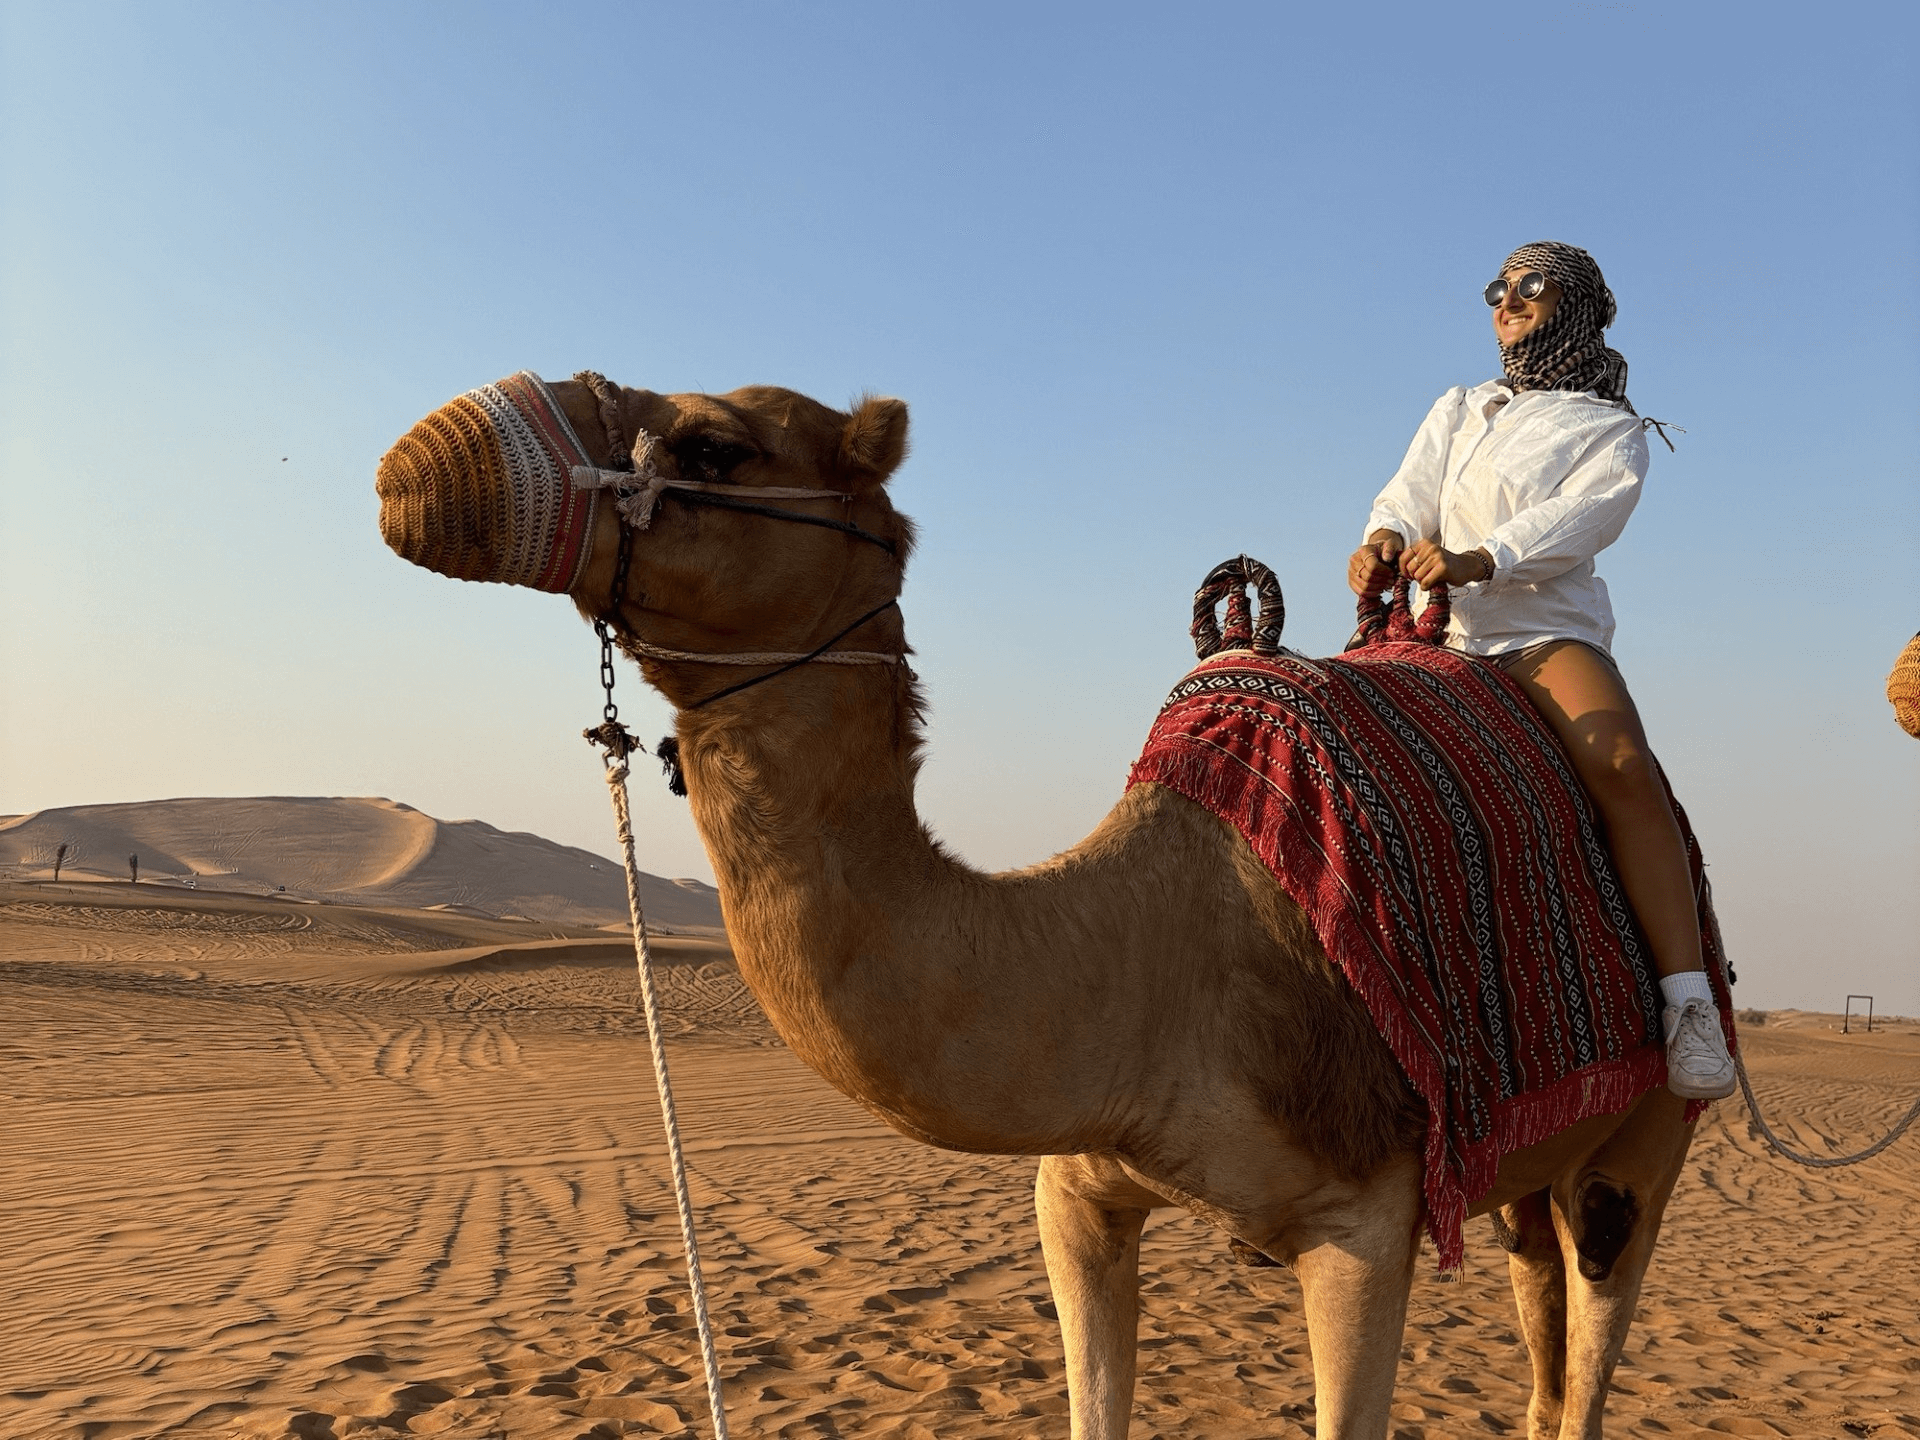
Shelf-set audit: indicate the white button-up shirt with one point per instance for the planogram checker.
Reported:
(1544, 480)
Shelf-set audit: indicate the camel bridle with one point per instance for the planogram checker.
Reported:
(638, 487)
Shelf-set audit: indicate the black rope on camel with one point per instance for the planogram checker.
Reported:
(668, 750)
(748, 507)
(610, 734)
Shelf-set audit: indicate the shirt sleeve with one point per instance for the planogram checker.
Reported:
(1410, 504)
(1583, 516)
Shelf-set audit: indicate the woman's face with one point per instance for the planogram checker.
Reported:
(1514, 317)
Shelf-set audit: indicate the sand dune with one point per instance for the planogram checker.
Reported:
(332, 1171)
(349, 851)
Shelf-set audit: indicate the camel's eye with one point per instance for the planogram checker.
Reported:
(710, 458)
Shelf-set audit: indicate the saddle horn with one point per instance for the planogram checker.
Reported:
(1385, 622)
(1230, 578)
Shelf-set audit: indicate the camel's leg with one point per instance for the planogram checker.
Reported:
(1539, 1273)
(1354, 1282)
(1608, 1214)
(1090, 1233)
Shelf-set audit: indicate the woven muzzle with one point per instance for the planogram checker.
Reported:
(1903, 688)
(480, 489)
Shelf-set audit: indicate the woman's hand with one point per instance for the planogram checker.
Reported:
(1427, 565)
(1370, 568)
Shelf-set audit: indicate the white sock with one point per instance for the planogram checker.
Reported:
(1676, 990)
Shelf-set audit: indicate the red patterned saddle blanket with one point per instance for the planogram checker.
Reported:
(1415, 805)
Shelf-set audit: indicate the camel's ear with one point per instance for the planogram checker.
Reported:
(875, 440)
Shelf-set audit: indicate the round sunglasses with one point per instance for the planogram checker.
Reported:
(1530, 286)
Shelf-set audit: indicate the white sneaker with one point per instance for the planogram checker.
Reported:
(1698, 1066)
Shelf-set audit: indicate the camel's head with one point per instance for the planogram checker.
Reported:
(513, 482)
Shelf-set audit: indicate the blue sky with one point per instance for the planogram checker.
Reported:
(1160, 284)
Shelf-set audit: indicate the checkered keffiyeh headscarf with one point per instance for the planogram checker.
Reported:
(1568, 352)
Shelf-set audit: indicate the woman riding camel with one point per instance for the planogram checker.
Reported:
(1509, 490)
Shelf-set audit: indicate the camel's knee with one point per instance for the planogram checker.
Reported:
(1606, 1214)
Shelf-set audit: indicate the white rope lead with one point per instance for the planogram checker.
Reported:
(643, 954)
(1817, 1162)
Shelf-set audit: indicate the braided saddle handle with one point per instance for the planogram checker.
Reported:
(1385, 620)
(1229, 580)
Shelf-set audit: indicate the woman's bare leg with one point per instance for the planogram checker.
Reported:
(1582, 697)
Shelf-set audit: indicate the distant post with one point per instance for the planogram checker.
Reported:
(59, 859)
(133, 867)
(1847, 1019)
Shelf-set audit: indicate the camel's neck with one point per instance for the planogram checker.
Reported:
(963, 1007)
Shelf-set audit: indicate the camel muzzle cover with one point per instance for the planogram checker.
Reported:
(1903, 688)
(481, 489)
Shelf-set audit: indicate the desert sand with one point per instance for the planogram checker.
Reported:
(326, 1170)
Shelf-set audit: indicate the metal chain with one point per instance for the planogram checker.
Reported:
(609, 712)
(603, 627)
(620, 459)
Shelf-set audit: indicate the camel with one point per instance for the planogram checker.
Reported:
(1148, 1012)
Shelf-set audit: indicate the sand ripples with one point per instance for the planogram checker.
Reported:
(376, 1197)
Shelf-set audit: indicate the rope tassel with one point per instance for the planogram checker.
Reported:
(668, 753)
